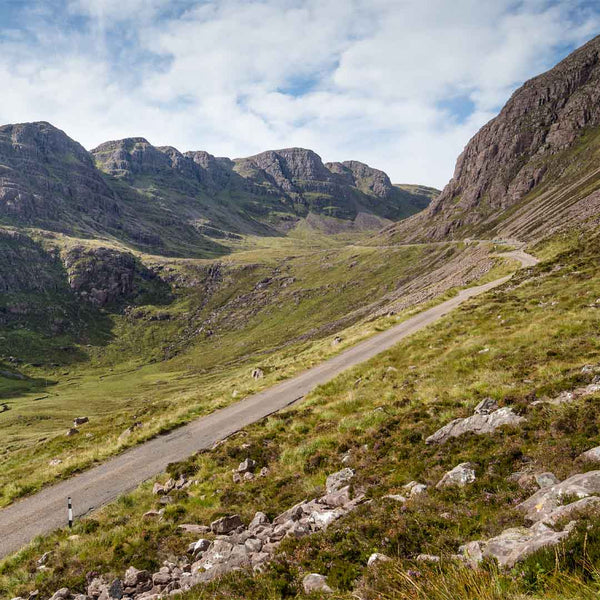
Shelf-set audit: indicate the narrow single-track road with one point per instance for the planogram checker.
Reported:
(46, 510)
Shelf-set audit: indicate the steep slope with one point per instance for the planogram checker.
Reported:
(49, 181)
(541, 148)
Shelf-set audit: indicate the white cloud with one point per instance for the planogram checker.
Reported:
(362, 79)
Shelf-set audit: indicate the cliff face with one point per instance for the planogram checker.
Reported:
(514, 153)
(45, 177)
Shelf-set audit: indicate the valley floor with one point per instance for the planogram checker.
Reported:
(43, 512)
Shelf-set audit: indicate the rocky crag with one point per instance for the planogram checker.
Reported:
(531, 169)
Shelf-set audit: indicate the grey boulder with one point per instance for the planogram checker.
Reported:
(313, 582)
(478, 424)
(461, 475)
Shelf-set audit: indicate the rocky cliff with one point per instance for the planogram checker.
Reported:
(529, 145)
(47, 179)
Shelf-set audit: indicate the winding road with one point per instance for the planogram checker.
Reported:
(46, 510)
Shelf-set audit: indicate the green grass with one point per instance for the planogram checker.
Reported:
(275, 303)
(540, 331)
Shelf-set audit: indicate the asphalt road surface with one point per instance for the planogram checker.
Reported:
(47, 510)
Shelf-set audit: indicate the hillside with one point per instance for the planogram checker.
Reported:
(532, 169)
(160, 201)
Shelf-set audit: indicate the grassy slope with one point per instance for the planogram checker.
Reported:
(276, 303)
(540, 329)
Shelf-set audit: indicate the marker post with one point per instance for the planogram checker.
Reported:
(70, 509)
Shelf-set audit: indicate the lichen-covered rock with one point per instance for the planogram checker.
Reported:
(545, 480)
(337, 481)
(314, 582)
(478, 424)
(460, 475)
(539, 506)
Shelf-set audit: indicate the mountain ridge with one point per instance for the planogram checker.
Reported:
(163, 201)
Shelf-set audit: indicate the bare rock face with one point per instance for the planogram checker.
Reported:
(478, 424)
(506, 159)
(104, 276)
(45, 175)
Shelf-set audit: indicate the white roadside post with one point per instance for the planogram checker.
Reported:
(70, 507)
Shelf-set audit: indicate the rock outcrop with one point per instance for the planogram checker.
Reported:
(543, 503)
(233, 547)
(478, 424)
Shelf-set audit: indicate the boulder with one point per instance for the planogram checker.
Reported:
(73, 431)
(292, 514)
(472, 553)
(226, 525)
(592, 455)
(377, 558)
(461, 475)
(321, 520)
(200, 546)
(115, 590)
(478, 424)
(135, 577)
(313, 582)
(194, 529)
(430, 558)
(97, 587)
(539, 506)
(62, 594)
(80, 421)
(247, 466)
(336, 481)
(414, 489)
(152, 514)
(257, 373)
(259, 519)
(395, 497)
(337, 499)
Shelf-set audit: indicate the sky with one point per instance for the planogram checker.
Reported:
(399, 84)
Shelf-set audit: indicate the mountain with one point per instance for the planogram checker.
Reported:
(162, 201)
(530, 170)
(264, 194)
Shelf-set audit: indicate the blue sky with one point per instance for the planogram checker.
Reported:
(399, 84)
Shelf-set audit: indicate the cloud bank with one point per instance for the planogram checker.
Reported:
(399, 84)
